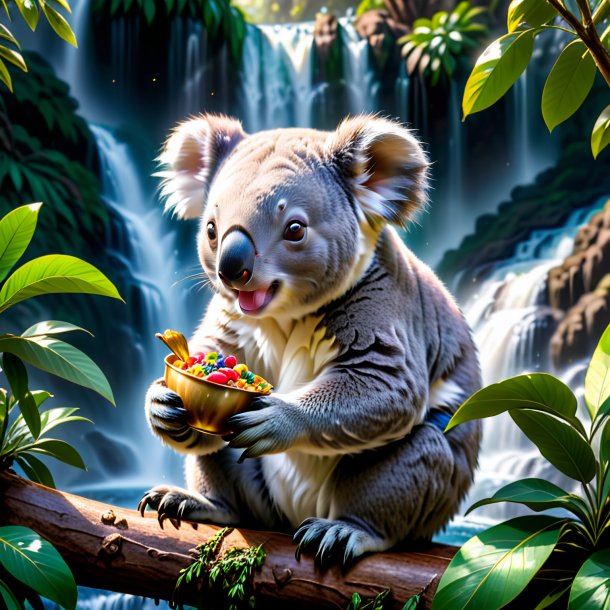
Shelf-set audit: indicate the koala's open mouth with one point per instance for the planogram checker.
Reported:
(254, 301)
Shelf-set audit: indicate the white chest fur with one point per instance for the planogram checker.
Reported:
(291, 355)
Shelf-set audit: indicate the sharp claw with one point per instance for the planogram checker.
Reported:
(175, 522)
(297, 553)
(194, 526)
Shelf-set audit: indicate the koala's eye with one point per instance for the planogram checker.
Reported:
(211, 231)
(294, 231)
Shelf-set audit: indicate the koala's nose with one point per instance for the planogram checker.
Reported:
(236, 257)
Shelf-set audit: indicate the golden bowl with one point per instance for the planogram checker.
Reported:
(208, 405)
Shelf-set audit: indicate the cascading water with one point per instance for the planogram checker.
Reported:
(147, 254)
(512, 327)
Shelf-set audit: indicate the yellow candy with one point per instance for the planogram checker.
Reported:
(240, 368)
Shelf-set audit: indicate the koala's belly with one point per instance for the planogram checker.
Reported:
(300, 484)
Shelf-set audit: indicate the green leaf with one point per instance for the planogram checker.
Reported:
(5, 77)
(58, 23)
(51, 327)
(551, 599)
(6, 34)
(13, 57)
(9, 598)
(35, 469)
(59, 416)
(538, 391)
(60, 450)
(536, 494)
(16, 231)
(18, 379)
(591, 588)
(3, 415)
(29, 11)
(559, 443)
(36, 563)
(54, 273)
(568, 84)
(59, 358)
(497, 69)
(600, 138)
(604, 443)
(149, 10)
(493, 567)
(597, 380)
(532, 12)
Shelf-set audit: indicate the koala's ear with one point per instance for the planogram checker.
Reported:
(191, 156)
(384, 166)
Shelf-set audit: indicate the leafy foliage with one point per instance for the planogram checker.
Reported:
(377, 603)
(10, 50)
(363, 7)
(230, 573)
(45, 167)
(571, 78)
(34, 562)
(501, 563)
(222, 20)
(436, 46)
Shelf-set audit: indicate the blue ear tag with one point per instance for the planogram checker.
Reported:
(437, 418)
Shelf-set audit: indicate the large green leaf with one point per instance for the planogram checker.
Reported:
(559, 443)
(536, 494)
(600, 138)
(58, 23)
(35, 469)
(493, 567)
(52, 327)
(5, 76)
(591, 588)
(36, 563)
(497, 69)
(60, 450)
(18, 379)
(568, 84)
(539, 391)
(13, 57)
(54, 273)
(532, 12)
(597, 380)
(16, 231)
(59, 358)
(3, 414)
(8, 597)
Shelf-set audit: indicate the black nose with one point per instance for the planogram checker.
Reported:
(236, 257)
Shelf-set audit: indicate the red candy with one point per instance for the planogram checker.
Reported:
(230, 361)
(230, 373)
(192, 361)
(199, 356)
(217, 377)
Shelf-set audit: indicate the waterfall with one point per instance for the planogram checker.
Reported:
(512, 327)
(147, 251)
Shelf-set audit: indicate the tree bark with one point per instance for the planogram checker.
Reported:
(116, 549)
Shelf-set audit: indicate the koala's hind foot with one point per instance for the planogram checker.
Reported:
(177, 505)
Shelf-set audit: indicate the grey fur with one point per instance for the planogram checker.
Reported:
(345, 450)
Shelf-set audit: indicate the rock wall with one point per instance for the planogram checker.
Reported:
(580, 288)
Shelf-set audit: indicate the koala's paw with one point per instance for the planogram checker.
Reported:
(166, 413)
(272, 428)
(333, 542)
(177, 505)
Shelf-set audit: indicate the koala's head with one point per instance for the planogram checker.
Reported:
(289, 218)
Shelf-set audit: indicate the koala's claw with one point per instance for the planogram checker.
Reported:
(267, 430)
(331, 542)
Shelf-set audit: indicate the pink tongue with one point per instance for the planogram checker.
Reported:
(253, 300)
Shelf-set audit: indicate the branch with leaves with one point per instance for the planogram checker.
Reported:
(571, 77)
(29, 10)
(543, 560)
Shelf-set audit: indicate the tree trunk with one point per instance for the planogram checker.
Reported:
(116, 549)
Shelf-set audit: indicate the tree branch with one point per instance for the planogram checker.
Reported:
(116, 549)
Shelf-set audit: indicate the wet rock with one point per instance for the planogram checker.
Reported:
(381, 32)
(325, 35)
(580, 330)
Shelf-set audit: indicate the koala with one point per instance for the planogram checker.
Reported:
(315, 291)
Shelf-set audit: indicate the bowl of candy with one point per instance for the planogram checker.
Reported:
(212, 387)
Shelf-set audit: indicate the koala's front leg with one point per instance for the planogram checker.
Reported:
(167, 418)
(345, 411)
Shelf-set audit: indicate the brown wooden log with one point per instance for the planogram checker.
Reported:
(117, 549)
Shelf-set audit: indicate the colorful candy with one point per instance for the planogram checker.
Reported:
(224, 371)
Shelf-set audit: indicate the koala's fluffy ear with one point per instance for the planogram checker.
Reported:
(384, 166)
(191, 156)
